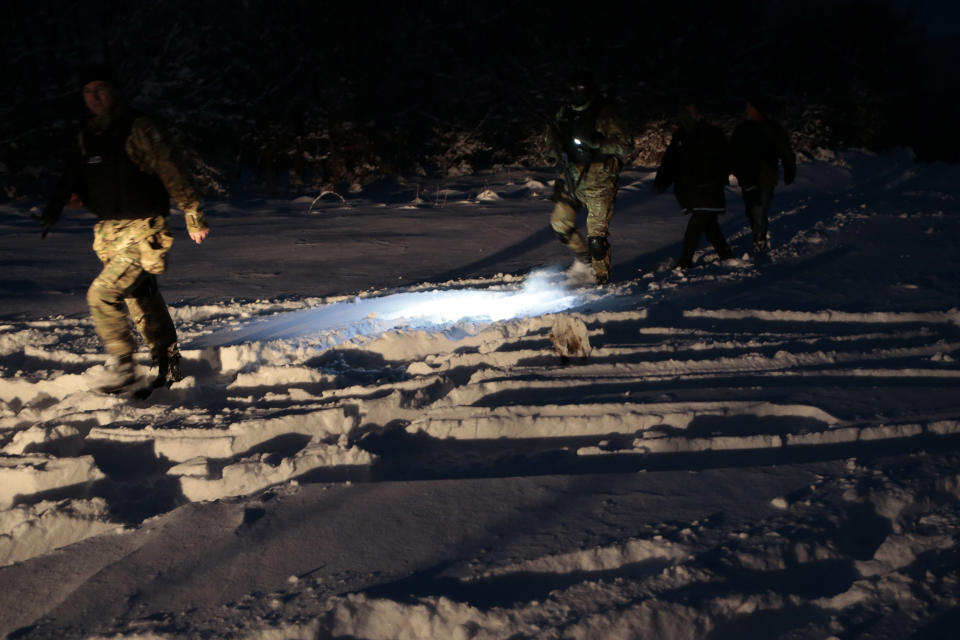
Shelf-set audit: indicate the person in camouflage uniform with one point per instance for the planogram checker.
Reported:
(590, 145)
(122, 170)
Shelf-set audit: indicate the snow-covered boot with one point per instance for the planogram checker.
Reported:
(601, 271)
(119, 374)
(580, 273)
(761, 245)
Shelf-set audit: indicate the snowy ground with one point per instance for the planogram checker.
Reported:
(378, 437)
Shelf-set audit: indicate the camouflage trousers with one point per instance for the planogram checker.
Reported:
(132, 252)
(596, 189)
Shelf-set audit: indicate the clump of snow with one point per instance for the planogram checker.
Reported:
(249, 475)
(570, 337)
(32, 530)
(24, 476)
(598, 558)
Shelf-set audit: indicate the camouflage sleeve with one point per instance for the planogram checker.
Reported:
(616, 141)
(153, 154)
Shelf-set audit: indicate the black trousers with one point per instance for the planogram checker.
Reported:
(756, 204)
(703, 223)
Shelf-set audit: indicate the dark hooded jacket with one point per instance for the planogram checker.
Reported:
(697, 164)
(757, 147)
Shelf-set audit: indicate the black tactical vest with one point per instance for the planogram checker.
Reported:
(578, 124)
(114, 187)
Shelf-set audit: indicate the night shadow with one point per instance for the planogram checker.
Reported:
(809, 580)
(125, 461)
(690, 389)
(285, 445)
(418, 456)
(534, 240)
(404, 456)
(751, 425)
(132, 503)
(506, 590)
(127, 502)
(943, 627)
(137, 485)
(862, 531)
(772, 624)
(358, 367)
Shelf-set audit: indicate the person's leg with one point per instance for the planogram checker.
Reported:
(599, 196)
(711, 227)
(563, 222)
(105, 298)
(691, 239)
(752, 204)
(761, 238)
(151, 317)
(600, 254)
(110, 320)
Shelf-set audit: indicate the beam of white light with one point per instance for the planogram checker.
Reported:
(542, 292)
(537, 296)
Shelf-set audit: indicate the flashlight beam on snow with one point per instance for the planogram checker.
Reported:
(431, 310)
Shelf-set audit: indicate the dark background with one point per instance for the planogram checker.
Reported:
(274, 96)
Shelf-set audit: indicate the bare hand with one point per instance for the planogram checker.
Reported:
(198, 236)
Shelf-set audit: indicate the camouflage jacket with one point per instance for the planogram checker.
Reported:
(123, 169)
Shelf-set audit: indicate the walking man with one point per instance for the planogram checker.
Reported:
(759, 145)
(697, 164)
(121, 169)
(589, 144)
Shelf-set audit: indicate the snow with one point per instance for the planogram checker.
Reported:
(405, 415)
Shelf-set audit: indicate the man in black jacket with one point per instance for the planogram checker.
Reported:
(697, 164)
(758, 146)
(122, 170)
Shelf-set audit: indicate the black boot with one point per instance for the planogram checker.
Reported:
(168, 370)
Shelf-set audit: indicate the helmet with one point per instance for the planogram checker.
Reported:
(582, 90)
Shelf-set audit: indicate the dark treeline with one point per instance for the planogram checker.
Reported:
(288, 92)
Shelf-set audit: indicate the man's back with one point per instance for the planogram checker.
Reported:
(758, 146)
(697, 162)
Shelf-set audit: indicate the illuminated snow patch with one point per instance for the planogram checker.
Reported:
(543, 292)
(536, 297)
